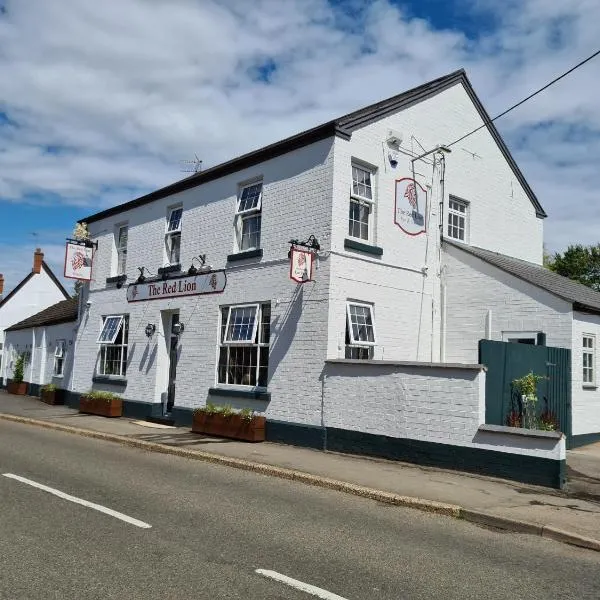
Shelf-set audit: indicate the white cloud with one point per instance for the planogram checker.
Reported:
(126, 88)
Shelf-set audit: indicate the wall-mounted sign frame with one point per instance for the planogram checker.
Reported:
(410, 207)
(79, 258)
(301, 265)
(213, 282)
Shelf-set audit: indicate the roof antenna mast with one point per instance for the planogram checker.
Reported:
(191, 166)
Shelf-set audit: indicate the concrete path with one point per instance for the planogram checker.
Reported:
(509, 500)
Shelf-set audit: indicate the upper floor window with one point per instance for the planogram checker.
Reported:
(121, 236)
(589, 359)
(360, 331)
(248, 217)
(173, 235)
(60, 352)
(458, 214)
(360, 219)
(113, 340)
(244, 345)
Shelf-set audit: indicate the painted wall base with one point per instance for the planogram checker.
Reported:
(517, 467)
(583, 439)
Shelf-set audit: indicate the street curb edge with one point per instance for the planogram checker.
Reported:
(430, 506)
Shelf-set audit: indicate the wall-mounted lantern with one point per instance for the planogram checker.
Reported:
(150, 329)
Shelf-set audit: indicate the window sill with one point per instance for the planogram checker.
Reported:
(257, 253)
(252, 394)
(57, 376)
(170, 269)
(350, 244)
(589, 386)
(110, 379)
(116, 279)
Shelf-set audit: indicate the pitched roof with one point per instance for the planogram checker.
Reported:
(582, 297)
(61, 312)
(50, 274)
(341, 127)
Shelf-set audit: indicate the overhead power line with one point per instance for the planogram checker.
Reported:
(528, 98)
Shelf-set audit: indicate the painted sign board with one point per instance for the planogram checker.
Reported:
(410, 208)
(213, 282)
(301, 265)
(78, 261)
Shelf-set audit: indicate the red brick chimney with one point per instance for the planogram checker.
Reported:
(1, 285)
(38, 257)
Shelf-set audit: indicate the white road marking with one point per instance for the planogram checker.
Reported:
(299, 585)
(98, 507)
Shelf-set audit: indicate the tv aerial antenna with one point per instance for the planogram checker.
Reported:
(191, 166)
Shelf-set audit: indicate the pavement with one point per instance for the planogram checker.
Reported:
(571, 516)
(86, 519)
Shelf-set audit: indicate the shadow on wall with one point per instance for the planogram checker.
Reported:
(148, 358)
(285, 327)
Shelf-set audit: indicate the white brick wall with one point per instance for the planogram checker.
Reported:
(296, 203)
(585, 401)
(429, 403)
(473, 287)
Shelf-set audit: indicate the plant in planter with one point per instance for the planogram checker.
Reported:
(224, 421)
(105, 404)
(17, 385)
(527, 388)
(51, 394)
(548, 421)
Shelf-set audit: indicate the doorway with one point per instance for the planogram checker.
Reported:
(172, 348)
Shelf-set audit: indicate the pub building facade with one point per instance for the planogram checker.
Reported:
(193, 299)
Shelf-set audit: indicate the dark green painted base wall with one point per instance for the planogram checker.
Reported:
(526, 469)
(584, 439)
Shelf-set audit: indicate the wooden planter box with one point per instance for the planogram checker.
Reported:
(17, 387)
(101, 407)
(230, 427)
(53, 397)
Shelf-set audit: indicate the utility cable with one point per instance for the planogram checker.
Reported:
(528, 98)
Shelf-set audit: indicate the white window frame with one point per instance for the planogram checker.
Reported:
(465, 216)
(60, 354)
(242, 215)
(112, 339)
(361, 200)
(106, 345)
(354, 342)
(256, 341)
(590, 351)
(121, 267)
(172, 233)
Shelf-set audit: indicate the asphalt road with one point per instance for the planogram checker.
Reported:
(212, 527)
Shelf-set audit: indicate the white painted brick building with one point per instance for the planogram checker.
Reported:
(377, 191)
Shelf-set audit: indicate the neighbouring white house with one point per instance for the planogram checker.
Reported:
(38, 290)
(193, 299)
(46, 339)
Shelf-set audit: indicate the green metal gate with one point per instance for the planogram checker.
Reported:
(506, 361)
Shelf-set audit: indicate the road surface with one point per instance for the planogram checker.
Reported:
(83, 519)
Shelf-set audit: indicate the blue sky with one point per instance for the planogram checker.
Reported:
(101, 101)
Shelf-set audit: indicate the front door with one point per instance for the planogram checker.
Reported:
(173, 346)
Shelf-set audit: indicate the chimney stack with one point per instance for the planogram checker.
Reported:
(38, 257)
(1, 285)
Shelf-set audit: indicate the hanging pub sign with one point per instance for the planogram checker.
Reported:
(213, 282)
(78, 261)
(410, 206)
(301, 265)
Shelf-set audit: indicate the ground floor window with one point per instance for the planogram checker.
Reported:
(113, 345)
(244, 345)
(360, 331)
(60, 352)
(589, 353)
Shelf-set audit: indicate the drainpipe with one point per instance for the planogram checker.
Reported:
(488, 325)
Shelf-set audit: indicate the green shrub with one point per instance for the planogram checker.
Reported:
(49, 387)
(246, 414)
(19, 370)
(100, 395)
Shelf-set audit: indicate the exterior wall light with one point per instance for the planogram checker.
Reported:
(150, 329)
(178, 328)
(201, 259)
